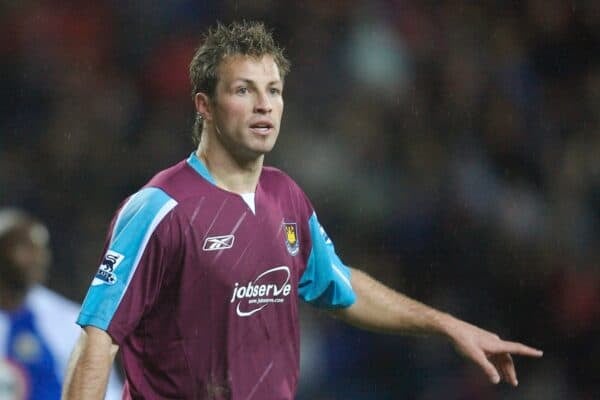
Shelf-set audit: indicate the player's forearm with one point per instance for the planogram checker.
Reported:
(89, 367)
(381, 309)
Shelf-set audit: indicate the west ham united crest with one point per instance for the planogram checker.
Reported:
(291, 237)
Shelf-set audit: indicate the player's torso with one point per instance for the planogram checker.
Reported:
(228, 304)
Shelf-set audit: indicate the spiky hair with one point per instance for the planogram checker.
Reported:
(239, 38)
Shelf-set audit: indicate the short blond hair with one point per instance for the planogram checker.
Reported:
(239, 38)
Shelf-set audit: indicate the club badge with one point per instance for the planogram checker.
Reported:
(291, 237)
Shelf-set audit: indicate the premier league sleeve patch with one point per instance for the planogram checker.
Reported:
(291, 237)
(106, 271)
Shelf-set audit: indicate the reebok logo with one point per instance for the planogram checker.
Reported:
(272, 286)
(218, 242)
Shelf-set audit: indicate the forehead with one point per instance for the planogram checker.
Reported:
(248, 68)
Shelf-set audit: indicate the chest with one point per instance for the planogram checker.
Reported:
(229, 250)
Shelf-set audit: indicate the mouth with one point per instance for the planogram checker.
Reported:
(262, 127)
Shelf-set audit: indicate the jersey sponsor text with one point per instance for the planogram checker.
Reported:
(259, 295)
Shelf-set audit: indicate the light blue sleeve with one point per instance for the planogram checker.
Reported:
(326, 280)
(135, 223)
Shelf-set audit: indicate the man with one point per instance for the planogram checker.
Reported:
(37, 331)
(204, 265)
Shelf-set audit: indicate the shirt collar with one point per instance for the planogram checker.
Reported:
(198, 166)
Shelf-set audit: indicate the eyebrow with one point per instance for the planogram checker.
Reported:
(252, 82)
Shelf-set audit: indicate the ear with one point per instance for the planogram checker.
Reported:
(203, 106)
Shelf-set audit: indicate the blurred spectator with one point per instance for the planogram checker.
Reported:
(37, 325)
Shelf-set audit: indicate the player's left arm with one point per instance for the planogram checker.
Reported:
(381, 309)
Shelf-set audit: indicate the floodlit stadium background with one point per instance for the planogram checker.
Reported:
(451, 148)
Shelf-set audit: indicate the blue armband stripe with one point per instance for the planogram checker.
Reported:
(135, 224)
(326, 280)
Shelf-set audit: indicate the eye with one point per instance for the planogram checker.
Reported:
(275, 91)
(241, 90)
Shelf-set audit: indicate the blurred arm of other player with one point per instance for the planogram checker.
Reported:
(89, 366)
(381, 309)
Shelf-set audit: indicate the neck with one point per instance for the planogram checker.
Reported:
(231, 173)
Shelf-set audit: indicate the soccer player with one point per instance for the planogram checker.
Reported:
(204, 265)
(37, 329)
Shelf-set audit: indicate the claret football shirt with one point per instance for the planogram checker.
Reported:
(200, 289)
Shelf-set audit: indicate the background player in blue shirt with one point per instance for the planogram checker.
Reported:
(37, 325)
(237, 77)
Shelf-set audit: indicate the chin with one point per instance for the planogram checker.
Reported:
(264, 147)
(252, 153)
(261, 152)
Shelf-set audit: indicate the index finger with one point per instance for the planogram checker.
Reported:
(520, 349)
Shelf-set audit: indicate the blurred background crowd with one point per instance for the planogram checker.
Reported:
(451, 149)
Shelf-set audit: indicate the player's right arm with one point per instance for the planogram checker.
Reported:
(89, 365)
(129, 277)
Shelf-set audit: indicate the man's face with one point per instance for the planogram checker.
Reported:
(247, 106)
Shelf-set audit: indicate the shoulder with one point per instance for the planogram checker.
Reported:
(143, 211)
(147, 204)
(168, 176)
(280, 185)
(274, 177)
(143, 215)
(180, 181)
(158, 193)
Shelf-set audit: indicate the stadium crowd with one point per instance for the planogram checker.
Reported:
(450, 148)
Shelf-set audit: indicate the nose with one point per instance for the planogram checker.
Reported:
(263, 104)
